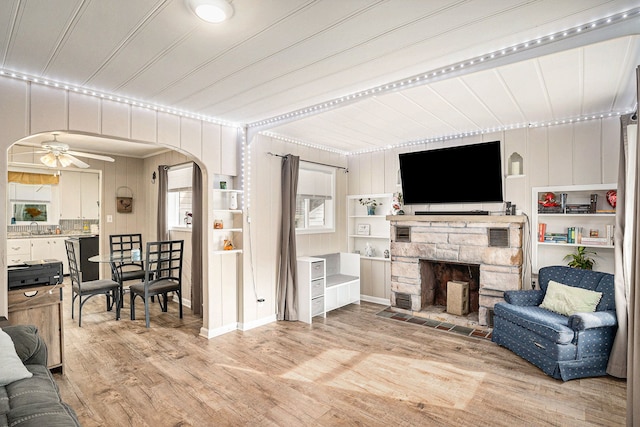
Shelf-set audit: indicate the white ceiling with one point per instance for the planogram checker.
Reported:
(275, 58)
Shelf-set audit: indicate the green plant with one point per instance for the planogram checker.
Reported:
(369, 202)
(581, 258)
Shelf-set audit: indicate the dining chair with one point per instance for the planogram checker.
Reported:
(125, 271)
(163, 274)
(82, 291)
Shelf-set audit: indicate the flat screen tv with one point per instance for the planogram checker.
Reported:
(464, 174)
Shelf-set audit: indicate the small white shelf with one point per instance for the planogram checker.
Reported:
(363, 236)
(576, 215)
(232, 251)
(375, 258)
(367, 216)
(226, 190)
(586, 245)
(221, 230)
(233, 211)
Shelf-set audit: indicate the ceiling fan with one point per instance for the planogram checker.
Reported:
(58, 154)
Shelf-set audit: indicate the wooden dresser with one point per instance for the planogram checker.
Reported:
(41, 306)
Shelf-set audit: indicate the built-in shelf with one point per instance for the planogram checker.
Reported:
(220, 230)
(362, 236)
(232, 251)
(226, 190)
(233, 211)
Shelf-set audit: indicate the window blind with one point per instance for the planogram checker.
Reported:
(179, 178)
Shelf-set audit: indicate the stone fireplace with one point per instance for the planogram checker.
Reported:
(428, 251)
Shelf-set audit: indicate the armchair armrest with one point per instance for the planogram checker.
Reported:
(30, 347)
(598, 319)
(524, 298)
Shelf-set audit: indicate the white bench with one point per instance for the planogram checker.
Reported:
(327, 282)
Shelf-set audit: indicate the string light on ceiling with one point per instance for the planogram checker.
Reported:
(449, 70)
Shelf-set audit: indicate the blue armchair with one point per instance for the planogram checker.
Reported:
(564, 347)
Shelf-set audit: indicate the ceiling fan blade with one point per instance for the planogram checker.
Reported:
(91, 156)
(67, 159)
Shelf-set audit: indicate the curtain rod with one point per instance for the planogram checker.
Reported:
(309, 161)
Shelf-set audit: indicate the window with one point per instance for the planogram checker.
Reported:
(179, 197)
(315, 208)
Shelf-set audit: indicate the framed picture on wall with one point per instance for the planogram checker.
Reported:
(363, 229)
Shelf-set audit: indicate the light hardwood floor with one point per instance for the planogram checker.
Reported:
(352, 368)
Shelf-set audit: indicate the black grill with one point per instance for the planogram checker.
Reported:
(403, 301)
(403, 234)
(499, 237)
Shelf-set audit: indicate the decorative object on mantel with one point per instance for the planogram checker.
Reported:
(124, 204)
(581, 259)
(396, 204)
(371, 205)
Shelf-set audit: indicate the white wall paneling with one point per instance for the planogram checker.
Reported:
(84, 113)
(115, 119)
(48, 109)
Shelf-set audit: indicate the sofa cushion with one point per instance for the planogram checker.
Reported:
(36, 401)
(569, 300)
(549, 325)
(11, 367)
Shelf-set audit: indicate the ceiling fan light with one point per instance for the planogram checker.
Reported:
(64, 160)
(213, 11)
(49, 160)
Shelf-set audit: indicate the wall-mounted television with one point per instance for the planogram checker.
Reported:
(463, 174)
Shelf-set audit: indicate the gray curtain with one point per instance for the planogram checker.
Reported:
(162, 228)
(196, 241)
(624, 361)
(287, 292)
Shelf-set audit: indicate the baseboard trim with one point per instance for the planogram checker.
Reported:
(257, 323)
(212, 333)
(375, 300)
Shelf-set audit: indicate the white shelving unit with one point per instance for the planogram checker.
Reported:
(378, 236)
(550, 253)
(232, 220)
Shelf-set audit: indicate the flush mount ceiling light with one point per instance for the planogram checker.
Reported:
(213, 11)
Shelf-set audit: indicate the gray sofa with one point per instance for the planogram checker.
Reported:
(564, 347)
(33, 401)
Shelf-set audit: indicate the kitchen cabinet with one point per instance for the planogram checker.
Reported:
(79, 195)
(18, 251)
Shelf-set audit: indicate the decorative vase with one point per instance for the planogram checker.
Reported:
(371, 210)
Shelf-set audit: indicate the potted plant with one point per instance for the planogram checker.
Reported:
(581, 258)
(371, 205)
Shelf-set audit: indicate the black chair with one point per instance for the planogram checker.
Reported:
(127, 271)
(84, 290)
(163, 274)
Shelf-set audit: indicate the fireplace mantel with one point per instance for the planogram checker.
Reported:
(494, 242)
(521, 219)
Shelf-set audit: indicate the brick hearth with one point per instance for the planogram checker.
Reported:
(457, 239)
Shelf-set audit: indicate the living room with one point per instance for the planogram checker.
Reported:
(584, 151)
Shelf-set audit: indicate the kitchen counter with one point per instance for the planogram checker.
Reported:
(48, 236)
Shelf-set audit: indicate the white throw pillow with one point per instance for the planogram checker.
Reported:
(11, 367)
(569, 300)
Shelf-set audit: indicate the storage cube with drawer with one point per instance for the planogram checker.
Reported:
(311, 286)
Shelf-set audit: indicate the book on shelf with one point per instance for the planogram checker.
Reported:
(555, 238)
(542, 229)
(597, 241)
